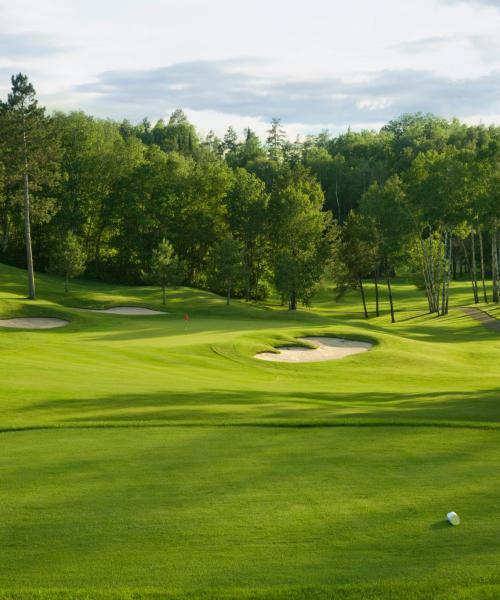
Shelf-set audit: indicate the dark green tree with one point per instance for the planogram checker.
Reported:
(247, 205)
(302, 236)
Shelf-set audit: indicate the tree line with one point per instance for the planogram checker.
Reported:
(158, 203)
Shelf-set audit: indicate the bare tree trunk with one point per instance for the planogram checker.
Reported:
(474, 267)
(27, 219)
(440, 276)
(432, 273)
(228, 297)
(391, 303)
(27, 237)
(293, 301)
(248, 261)
(337, 198)
(483, 277)
(445, 274)
(425, 271)
(494, 265)
(450, 257)
(467, 262)
(6, 229)
(497, 273)
(377, 303)
(363, 298)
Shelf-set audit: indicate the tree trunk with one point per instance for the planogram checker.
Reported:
(228, 297)
(6, 230)
(483, 277)
(425, 272)
(440, 276)
(432, 276)
(474, 267)
(450, 257)
(391, 302)
(467, 262)
(338, 201)
(494, 264)
(293, 301)
(27, 237)
(363, 298)
(164, 293)
(248, 263)
(377, 312)
(448, 263)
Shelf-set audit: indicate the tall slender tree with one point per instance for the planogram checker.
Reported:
(32, 153)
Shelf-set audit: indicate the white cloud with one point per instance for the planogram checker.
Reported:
(331, 63)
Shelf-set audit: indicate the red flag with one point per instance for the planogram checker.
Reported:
(186, 317)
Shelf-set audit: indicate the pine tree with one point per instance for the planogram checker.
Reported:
(31, 152)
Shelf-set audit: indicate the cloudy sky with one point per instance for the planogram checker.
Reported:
(315, 64)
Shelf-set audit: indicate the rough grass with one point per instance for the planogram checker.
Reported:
(143, 457)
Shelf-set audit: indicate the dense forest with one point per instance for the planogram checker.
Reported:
(159, 204)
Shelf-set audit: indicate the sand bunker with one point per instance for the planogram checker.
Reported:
(33, 323)
(128, 310)
(327, 348)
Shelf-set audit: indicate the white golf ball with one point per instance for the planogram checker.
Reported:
(453, 518)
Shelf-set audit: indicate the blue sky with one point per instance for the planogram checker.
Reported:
(316, 64)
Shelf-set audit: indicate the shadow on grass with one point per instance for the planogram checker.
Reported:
(438, 525)
(257, 407)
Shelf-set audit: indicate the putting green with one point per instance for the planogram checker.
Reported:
(156, 458)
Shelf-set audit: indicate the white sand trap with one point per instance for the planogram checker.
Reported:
(33, 323)
(129, 310)
(327, 348)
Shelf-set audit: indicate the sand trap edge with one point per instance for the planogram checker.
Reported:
(127, 310)
(33, 323)
(326, 348)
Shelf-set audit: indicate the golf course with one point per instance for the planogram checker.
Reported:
(152, 455)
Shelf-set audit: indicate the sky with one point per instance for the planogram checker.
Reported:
(315, 64)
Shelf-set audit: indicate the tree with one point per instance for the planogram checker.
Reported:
(302, 236)
(247, 204)
(227, 267)
(32, 151)
(437, 188)
(356, 256)
(165, 267)
(276, 140)
(246, 153)
(384, 205)
(68, 258)
(96, 161)
(230, 141)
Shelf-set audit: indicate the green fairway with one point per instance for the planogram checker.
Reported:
(147, 456)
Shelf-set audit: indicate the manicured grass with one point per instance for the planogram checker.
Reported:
(143, 457)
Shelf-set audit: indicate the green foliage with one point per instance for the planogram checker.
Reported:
(302, 236)
(68, 258)
(227, 266)
(247, 215)
(165, 268)
(123, 188)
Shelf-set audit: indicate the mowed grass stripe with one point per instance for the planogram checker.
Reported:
(197, 508)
